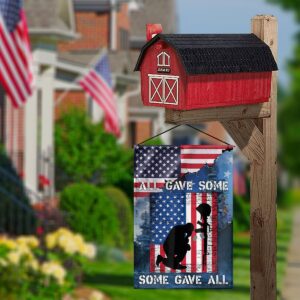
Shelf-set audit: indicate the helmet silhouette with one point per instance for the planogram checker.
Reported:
(204, 209)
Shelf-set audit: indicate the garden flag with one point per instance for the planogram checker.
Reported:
(183, 217)
(98, 84)
(15, 56)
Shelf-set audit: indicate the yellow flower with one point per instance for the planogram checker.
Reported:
(10, 244)
(64, 231)
(54, 270)
(89, 250)
(14, 257)
(29, 241)
(3, 263)
(58, 238)
(68, 244)
(79, 241)
(51, 240)
(96, 296)
(24, 250)
(33, 264)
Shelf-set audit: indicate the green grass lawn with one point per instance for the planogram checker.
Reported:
(116, 279)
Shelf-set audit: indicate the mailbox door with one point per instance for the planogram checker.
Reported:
(156, 89)
(163, 89)
(171, 90)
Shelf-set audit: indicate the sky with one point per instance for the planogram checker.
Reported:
(233, 16)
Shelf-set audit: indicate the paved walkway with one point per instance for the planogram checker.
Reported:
(291, 284)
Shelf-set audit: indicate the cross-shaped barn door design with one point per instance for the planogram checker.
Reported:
(171, 90)
(163, 89)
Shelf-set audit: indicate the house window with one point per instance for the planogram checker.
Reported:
(163, 59)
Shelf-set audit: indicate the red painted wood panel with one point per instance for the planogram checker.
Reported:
(198, 91)
(227, 89)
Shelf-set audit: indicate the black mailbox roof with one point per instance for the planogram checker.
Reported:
(217, 53)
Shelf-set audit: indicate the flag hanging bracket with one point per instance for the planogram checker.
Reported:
(193, 127)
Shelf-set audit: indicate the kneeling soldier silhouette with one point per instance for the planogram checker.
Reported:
(176, 246)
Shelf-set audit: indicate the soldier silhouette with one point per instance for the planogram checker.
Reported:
(205, 210)
(176, 246)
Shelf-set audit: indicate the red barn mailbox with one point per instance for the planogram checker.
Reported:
(191, 71)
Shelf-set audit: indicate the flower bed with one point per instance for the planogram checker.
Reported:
(42, 269)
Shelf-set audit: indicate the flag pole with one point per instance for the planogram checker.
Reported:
(90, 64)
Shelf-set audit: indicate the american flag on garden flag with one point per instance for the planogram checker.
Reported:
(170, 209)
(156, 165)
(15, 56)
(153, 167)
(98, 84)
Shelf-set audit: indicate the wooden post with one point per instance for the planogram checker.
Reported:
(257, 138)
(264, 184)
(254, 129)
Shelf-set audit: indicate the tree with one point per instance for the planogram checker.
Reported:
(289, 121)
(86, 153)
(293, 5)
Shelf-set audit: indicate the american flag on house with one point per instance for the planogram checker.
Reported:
(98, 84)
(153, 167)
(15, 57)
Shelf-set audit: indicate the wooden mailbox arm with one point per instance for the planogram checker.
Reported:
(254, 129)
(239, 112)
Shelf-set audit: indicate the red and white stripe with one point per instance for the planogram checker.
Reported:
(102, 93)
(194, 157)
(195, 261)
(16, 61)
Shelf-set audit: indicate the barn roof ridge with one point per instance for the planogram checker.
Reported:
(217, 53)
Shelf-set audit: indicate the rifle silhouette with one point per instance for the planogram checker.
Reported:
(205, 210)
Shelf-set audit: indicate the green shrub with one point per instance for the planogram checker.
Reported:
(85, 152)
(121, 203)
(90, 212)
(241, 213)
(289, 198)
(154, 142)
